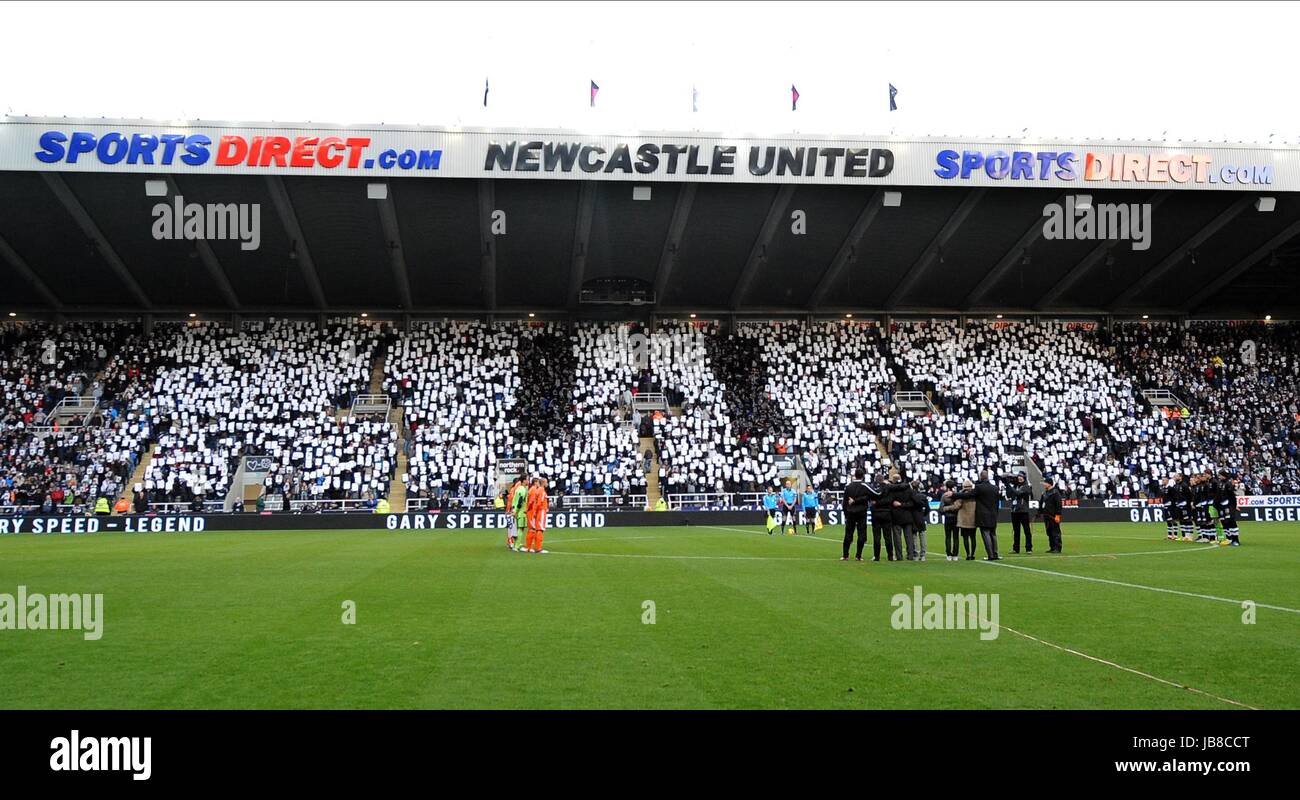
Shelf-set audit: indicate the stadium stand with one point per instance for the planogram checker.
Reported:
(273, 388)
(828, 380)
(473, 395)
(703, 450)
(65, 459)
(1044, 390)
(1241, 400)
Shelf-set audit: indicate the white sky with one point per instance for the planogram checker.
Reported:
(1200, 71)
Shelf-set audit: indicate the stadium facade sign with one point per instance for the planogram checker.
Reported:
(71, 145)
(1108, 167)
(1265, 500)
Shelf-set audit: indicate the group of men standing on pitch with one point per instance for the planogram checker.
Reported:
(899, 511)
(527, 502)
(1187, 507)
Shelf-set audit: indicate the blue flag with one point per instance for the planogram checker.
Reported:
(892, 93)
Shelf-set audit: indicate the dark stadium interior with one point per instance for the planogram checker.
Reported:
(81, 243)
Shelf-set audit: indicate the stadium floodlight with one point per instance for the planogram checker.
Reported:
(192, 316)
(376, 191)
(1265, 204)
(640, 192)
(1267, 317)
(531, 315)
(155, 188)
(848, 316)
(692, 316)
(1146, 316)
(13, 313)
(999, 316)
(893, 199)
(364, 315)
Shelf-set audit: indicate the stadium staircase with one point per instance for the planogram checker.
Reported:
(377, 372)
(652, 493)
(884, 451)
(137, 476)
(397, 489)
(397, 416)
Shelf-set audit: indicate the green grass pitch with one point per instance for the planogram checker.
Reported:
(451, 619)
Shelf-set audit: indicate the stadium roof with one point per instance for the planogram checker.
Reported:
(78, 235)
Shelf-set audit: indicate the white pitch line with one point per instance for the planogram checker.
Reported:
(699, 558)
(1147, 675)
(605, 539)
(804, 537)
(929, 552)
(1140, 553)
(1140, 586)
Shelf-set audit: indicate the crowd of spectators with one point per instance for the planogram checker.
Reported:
(1066, 395)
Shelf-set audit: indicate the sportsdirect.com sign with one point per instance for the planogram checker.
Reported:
(1268, 500)
(31, 144)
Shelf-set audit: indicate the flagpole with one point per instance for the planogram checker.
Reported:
(889, 72)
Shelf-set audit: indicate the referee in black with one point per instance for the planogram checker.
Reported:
(857, 501)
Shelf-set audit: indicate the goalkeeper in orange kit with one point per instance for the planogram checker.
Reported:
(537, 506)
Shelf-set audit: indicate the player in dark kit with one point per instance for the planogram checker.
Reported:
(1186, 506)
(1225, 502)
(1175, 496)
(1203, 494)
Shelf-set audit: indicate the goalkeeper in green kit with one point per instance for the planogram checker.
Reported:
(516, 500)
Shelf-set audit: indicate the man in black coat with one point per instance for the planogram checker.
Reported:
(920, 513)
(882, 518)
(985, 495)
(1050, 508)
(1018, 492)
(901, 495)
(951, 541)
(858, 498)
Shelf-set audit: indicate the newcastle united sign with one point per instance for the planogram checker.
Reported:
(376, 151)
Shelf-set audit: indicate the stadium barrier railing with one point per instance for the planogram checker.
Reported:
(578, 502)
(209, 507)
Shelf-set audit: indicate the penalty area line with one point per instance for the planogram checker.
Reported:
(1140, 673)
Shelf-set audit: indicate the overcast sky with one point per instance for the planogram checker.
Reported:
(1190, 71)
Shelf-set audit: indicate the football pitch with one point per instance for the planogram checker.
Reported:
(681, 617)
